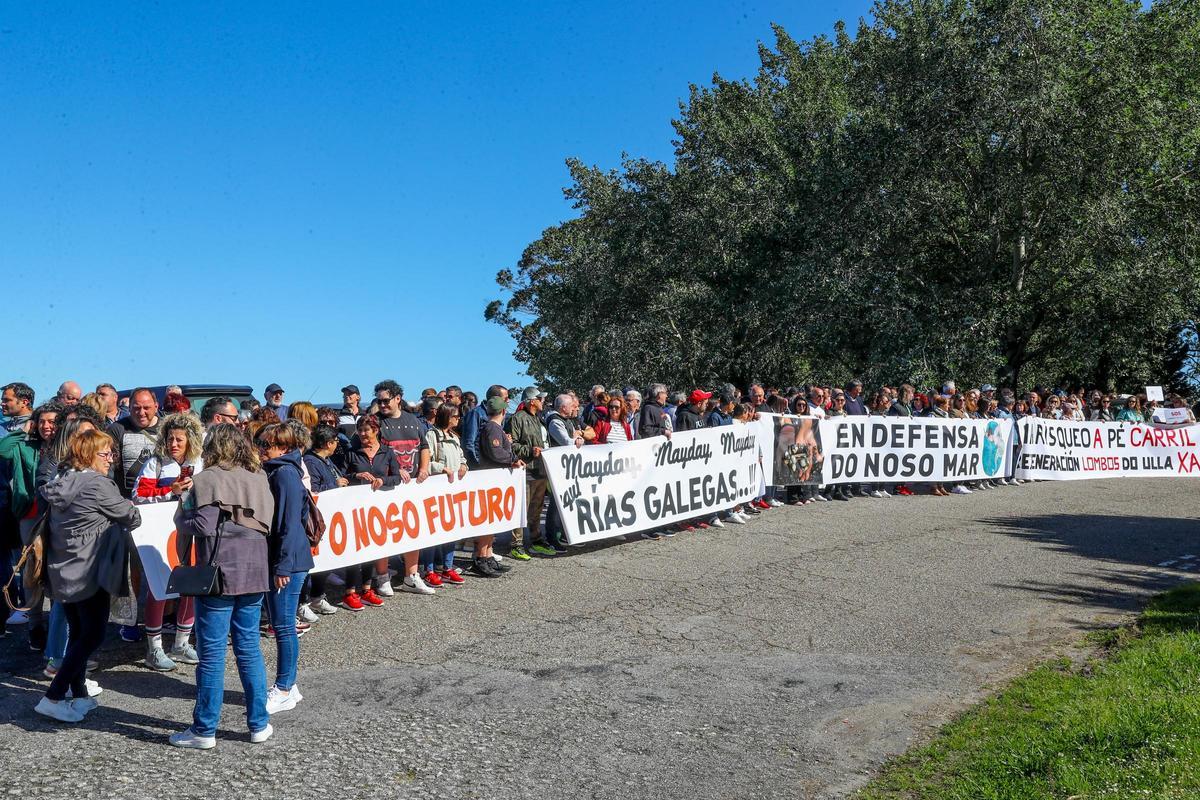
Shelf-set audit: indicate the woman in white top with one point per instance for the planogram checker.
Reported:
(166, 477)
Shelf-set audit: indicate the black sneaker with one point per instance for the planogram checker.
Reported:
(650, 536)
(496, 565)
(559, 547)
(484, 569)
(37, 639)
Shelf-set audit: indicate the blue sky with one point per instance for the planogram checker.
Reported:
(316, 193)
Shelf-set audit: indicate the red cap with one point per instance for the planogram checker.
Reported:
(699, 396)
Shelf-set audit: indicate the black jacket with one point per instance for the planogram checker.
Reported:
(689, 419)
(653, 421)
(495, 450)
(384, 465)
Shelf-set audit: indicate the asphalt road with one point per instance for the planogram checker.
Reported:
(786, 658)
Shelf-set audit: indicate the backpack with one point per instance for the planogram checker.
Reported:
(314, 521)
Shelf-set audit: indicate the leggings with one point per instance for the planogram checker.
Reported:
(87, 619)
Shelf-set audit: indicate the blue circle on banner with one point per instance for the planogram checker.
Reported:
(993, 457)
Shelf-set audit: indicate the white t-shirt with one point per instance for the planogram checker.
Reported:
(617, 433)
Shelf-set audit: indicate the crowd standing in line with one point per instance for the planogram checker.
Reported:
(244, 478)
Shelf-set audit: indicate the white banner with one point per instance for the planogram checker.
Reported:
(613, 489)
(911, 449)
(364, 525)
(1056, 450)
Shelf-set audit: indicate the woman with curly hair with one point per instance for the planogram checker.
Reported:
(166, 476)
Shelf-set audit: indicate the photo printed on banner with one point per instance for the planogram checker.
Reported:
(798, 455)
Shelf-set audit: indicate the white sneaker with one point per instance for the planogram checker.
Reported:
(960, 489)
(93, 688)
(736, 518)
(190, 740)
(279, 700)
(496, 556)
(258, 737)
(61, 710)
(715, 522)
(878, 494)
(84, 704)
(18, 618)
(414, 584)
(306, 614)
(295, 692)
(821, 498)
(884, 493)
(323, 606)
(774, 501)
(384, 589)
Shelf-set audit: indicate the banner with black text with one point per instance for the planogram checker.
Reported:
(613, 489)
(912, 449)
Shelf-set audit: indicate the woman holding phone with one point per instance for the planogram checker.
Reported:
(166, 476)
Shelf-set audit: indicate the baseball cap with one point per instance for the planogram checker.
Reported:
(698, 395)
(350, 389)
(496, 404)
(987, 387)
(273, 388)
(532, 392)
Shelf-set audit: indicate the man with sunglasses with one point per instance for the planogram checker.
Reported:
(218, 410)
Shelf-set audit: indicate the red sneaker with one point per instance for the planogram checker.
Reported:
(433, 579)
(687, 526)
(351, 602)
(904, 490)
(370, 598)
(451, 577)
(702, 526)
(762, 503)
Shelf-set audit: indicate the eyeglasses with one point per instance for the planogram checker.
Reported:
(107, 455)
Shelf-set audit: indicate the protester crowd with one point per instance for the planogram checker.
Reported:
(243, 476)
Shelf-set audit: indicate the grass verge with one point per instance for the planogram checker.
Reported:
(1126, 724)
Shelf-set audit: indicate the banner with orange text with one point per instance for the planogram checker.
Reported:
(364, 525)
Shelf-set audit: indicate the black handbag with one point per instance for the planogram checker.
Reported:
(201, 580)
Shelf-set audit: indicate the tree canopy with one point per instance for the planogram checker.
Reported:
(1000, 191)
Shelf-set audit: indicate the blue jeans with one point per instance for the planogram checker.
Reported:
(283, 604)
(434, 559)
(236, 617)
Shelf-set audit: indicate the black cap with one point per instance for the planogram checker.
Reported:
(350, 389)
(273, 388)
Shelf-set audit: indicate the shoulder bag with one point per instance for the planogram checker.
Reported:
(202, 580)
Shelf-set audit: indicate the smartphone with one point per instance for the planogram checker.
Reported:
(186, 472)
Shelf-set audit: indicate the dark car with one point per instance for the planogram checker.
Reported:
(200, 393)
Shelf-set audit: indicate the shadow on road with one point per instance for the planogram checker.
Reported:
(1125, 547)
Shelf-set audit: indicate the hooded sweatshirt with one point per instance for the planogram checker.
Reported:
(288, 548)
(88, 547)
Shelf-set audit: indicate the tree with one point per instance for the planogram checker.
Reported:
(972, 189)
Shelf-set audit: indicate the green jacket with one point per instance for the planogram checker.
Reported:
(527, 432)
(19, 467)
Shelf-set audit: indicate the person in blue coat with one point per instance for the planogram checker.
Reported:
(288, 555)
